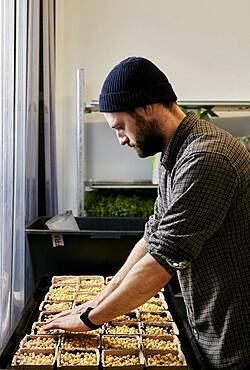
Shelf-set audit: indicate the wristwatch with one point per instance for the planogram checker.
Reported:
(85, 319)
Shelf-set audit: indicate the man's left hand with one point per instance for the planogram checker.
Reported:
(70, 322)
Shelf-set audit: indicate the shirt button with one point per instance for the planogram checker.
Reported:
(195, 332)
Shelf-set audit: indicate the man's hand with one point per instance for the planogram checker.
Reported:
(69, 319)
(69, 322)
(77, 310)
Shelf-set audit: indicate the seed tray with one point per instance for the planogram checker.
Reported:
(83, 297)
(170, 327)
(78, 367)
(70, 298)
(92, 289)
(180, 357)
(65, 280)
(47, 315)
(154, 307)
(83, 337)
(116, 326)
(165, 338)
(43, 304)
(58, 297)
(37, 329)
(128, 317)
(15, 365)
(124, 337)
(27, 338)
(91, 280)
(98, 331)
(156, 317)
(71, 288)
(114, 352)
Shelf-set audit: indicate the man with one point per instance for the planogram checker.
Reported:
(201, 223)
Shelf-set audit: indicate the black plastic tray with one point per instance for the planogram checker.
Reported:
(100, 246)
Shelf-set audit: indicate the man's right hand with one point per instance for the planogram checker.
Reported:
(76, 310)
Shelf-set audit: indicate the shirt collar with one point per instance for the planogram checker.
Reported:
(168, 158)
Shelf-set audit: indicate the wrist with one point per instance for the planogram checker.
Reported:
(87, 320)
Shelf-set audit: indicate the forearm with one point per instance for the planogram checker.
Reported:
(138, 252)
(144, 280)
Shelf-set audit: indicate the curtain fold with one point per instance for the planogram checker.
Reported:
(32, 131)
(13, 99)
(49, 107)
(18, 260)
(19, 141)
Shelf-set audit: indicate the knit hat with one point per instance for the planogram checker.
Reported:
(134, 82)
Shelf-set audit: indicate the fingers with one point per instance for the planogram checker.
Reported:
(69, 319)
(52, 324)
(61, 314)
(70, 323)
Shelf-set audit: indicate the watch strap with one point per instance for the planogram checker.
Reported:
(85, 319)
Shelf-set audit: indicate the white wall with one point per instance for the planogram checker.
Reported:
(202, 46)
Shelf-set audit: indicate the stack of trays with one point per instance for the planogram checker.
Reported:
(144, 338)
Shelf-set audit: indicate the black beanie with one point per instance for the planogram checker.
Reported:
(134, 82)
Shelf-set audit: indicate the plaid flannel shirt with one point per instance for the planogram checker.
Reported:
(201, 229)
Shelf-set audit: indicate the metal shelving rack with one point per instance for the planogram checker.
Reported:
(218, 105)
(212, 107)
(118, 185)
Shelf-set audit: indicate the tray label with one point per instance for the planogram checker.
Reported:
(57, 240)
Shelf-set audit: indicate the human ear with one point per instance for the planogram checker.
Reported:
(145, 111)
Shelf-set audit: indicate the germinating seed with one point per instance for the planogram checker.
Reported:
(34, 359)
(158, 330)
(124, 318)
(151, 307)
(79, 342)
(126, 360)
(119, 342)
(40, 343)
(78, 358)
(66, 280)
(61, 293)
(85, 297)
(167, 359)
(60, 306)
(159, 344)
(147, 316)
(121, 329)
(91, 281)
(40, 330)
(90, 289)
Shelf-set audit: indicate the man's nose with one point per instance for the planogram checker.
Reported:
(123, 139)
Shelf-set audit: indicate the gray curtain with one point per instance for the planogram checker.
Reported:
(32, 130)
(49, 107)
(19, 108)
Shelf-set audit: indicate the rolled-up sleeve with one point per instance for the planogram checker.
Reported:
(198, 205)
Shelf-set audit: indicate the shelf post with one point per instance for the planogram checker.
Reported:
(80, 80)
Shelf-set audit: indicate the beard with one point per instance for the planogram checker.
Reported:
(149, 139)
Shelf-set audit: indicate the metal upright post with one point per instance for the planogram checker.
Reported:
(80, 141)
